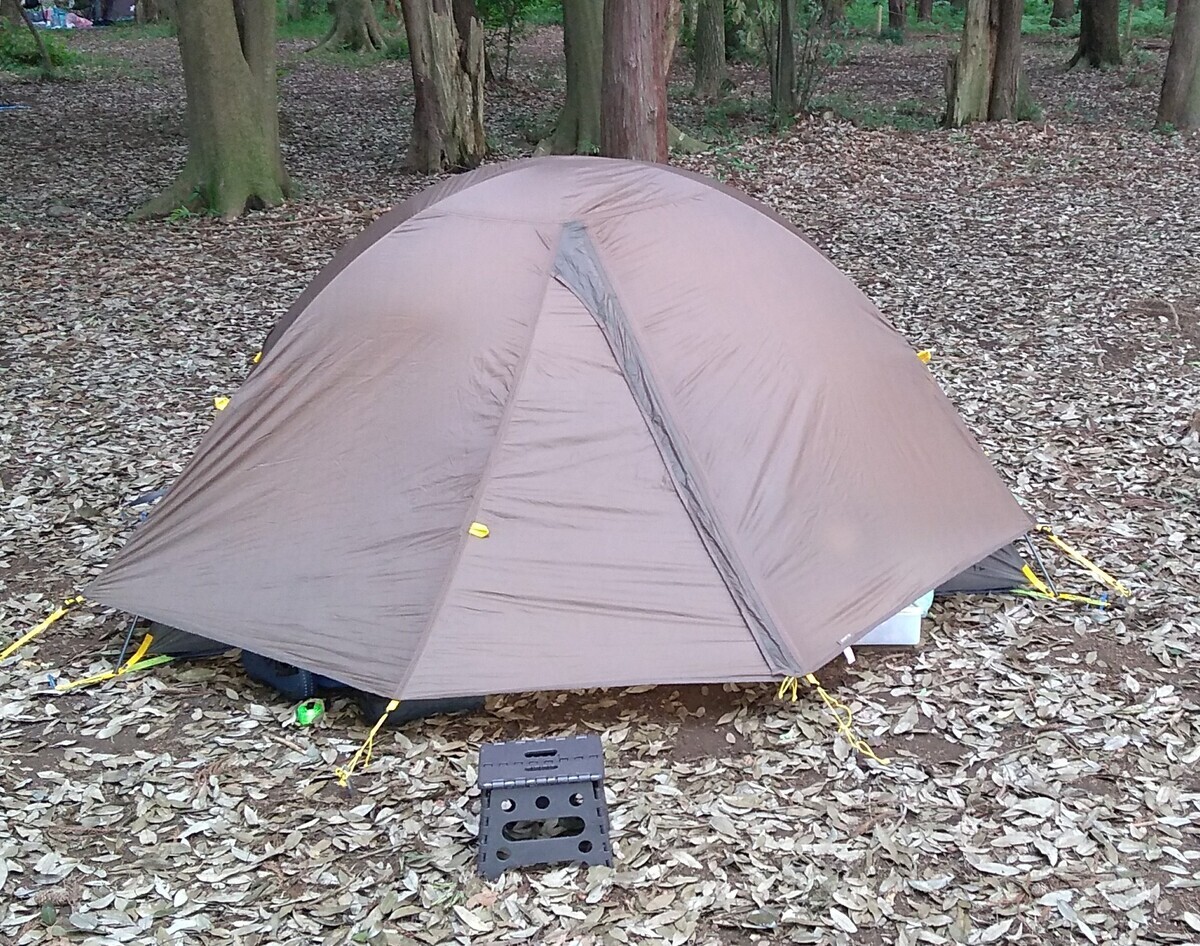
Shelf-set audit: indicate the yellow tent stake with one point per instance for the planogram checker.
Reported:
(925, 355)
(343, 775)
(790, 687)
(29, 635)
(1093, 569)
(130, 664)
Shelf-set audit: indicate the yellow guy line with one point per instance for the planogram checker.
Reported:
(130, 664)
(25, 638)
(790, 687)
(343, 775)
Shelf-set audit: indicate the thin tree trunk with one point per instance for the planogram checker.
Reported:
(710, 50)
(234, 162)
(355, 27)
(925, 11)
(1179, 104)
(782, 50)
(18, 15)
(445, 47)
(985, 81)
(1099, 33)
(1062, 13)
(1170, 8)
(633, 89)
(898, 15)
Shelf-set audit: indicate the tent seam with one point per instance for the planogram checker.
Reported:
(718, 535)
(484, 478)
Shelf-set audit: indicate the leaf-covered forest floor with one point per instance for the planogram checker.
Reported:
(1043, 782)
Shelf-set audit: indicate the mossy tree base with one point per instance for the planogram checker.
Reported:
(355, 27)
(234, 163)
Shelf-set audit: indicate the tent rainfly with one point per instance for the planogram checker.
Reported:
(571, 422)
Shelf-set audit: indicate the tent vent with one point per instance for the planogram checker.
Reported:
(543, 803)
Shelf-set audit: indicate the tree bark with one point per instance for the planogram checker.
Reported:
(1179, 103)
(1004, 100)
(985, 81)
(1170, 8)
(355, 27)
(1099, 33)
(445, 48)
(234, 163)
(925, 11)
(898, 15)
(633, 89)
(781, 47)
(710, 50)
(1062, 13)
(578, 127)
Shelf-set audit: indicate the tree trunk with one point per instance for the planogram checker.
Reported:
(355, 27)
(633, 89)
(834, 12)
(1004, 100)
(1179, 104)
(1170, 8)
(985, 81)
(445, 47)
(578, 127)
(1062, 13)
(898, 15)
(781, 48)
(710, 50)
(925, 11)
(234, 162)
(1099, 33)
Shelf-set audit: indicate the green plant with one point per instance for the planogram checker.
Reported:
(19, 48)
(395, 47)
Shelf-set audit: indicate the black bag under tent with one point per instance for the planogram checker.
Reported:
(298, 684)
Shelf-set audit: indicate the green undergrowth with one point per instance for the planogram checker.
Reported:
(1148, 19)
(904, 115)
(20, 56)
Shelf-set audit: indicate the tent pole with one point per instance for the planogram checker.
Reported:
(1041, 564)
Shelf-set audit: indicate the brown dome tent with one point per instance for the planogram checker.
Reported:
(562, 423)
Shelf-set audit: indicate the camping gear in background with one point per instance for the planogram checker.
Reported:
(562, 423)
(542, 802)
